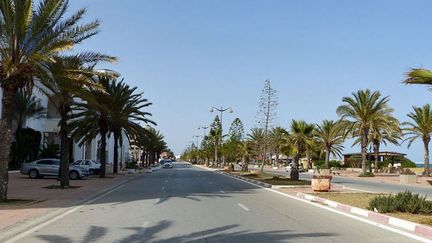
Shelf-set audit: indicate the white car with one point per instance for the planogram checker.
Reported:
(92, 166)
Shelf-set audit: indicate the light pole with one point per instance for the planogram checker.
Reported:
(197, 142)
(221, 110)
(205, 129)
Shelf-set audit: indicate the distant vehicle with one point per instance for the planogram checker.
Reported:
(167, 165)
(51, 167)
(163, 161)
(93, 167)
(289, 167)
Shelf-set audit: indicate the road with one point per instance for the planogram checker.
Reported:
(188, 204)
(365, 185)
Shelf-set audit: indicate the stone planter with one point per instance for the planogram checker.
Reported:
(131, 171)
(321, 184)
(408, 179)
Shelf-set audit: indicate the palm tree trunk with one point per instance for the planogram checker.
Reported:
(426, 156)
(364, 149)
(294, 175)
(115, 164)
(327, 158)
(64, 150)
(376, 154)
(103, 154)
(5, 141)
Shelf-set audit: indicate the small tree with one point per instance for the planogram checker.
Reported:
(266, 115)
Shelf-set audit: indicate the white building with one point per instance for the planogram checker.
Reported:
(48, 126)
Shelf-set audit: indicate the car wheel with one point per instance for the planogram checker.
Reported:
(91, 172)
(34, 174)
(73, 175)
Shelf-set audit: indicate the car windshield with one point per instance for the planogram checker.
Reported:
(76, 162)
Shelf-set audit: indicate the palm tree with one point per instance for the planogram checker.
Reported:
(30, 36)
(330, 135)
(358, 112)
(26, 106)
(152, 142)
(70, 78)
(420, 127)
(384, 130)
(246, 151)
(300, 136)
(126, 113)
(257, 137)
(419, 76)
(92, 117)
(277, 135)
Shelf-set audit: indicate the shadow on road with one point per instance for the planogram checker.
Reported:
(228, 233)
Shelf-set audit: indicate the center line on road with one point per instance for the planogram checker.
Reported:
(163, 188)
(222, 191)
(210, 182)
(243, 207)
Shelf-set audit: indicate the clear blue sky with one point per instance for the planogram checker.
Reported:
(188, 55)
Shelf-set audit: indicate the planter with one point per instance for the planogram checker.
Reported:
(408, 179)
(321, 184)
(131, 171)
(148, 171)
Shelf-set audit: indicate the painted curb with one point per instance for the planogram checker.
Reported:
(377, 217)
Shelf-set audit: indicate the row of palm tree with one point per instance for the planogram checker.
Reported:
(364, 116)
(37, 42)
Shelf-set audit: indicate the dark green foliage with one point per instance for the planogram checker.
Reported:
(402, 202)
(25, 147)
(367, 174)
(405, 162)
(50, 150)
(131, 165)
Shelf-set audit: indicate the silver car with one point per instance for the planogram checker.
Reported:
(51, 167)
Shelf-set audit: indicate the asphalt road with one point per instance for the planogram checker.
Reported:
(365, 185)
(188, 204)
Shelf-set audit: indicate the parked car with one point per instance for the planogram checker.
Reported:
(92, 166)
(51, 167)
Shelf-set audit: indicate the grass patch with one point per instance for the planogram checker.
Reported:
(361, 200)
(276, 180)
(57, 187)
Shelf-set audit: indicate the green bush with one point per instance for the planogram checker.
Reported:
(50, 150)
(367, 174)
(402, 202)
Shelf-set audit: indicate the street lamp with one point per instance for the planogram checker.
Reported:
(204, 128)
(221, 110)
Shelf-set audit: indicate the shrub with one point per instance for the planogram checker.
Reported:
(50, 150)
(402, 202)
(367, 174)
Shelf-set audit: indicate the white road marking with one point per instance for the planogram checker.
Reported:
(222, 191)
(46, 223)
(243, 207)
(166, 181)
(163, 188)
(382, 226)
(211, 183)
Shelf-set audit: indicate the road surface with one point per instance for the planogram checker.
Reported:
(188, 204)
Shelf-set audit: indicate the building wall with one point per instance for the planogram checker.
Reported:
(49, 126)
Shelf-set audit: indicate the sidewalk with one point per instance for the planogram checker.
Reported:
(48, 200)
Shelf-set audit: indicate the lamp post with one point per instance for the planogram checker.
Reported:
(205, 129)
(221, 110)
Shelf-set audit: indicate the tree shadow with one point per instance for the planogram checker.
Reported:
(227, 233)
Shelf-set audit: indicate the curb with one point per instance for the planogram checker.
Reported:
(263, 184)
(377, 217)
